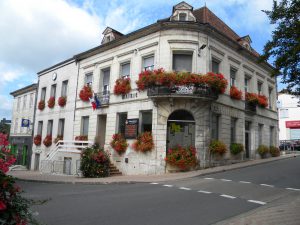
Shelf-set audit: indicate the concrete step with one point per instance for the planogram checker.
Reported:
(17, 168)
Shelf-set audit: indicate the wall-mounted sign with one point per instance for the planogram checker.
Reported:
(292, 124)
(131, 128)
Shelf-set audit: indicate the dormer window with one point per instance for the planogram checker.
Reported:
(182, 17)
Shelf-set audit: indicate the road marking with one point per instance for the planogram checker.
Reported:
(228, 196)
(168, 185)
(245, 182)
(257, 202)
(209, 178)
(184, 188)
(226, 180)
(267, 185)
(153, 183)
(204, 192)
(293, 189)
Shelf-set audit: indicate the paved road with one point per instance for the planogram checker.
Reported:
(198, 200)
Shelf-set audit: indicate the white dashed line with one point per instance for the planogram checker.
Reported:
(245, 182)
(153, 183)
(168, 185)
(257, 202)
(209, 178)
(228, 196)
(267, 185)
(204, 192)
(226, 180)
(184, 188)
(293, 189)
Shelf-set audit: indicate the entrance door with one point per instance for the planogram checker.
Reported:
(101, 130)
(67, 165)
(247, 138)
(180, 129)
(37, 161)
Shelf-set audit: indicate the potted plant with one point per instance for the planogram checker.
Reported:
(37, 140)
(122, 86)
(182, 158)
(86, 93)
(251, 98)
(81, 138)
(58, 138)
(274, 151)
(262, 101)
(236, 148)
(235, 93)
(144, 142)
(41, 105)
(263, 150)
(51, 102)
(62, 100)
(47, 141)
(119, 143)
(217, 147)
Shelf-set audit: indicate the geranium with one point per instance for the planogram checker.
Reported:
(122, 86)
(262, 101)
(58, 138)
(144, 142)
(37, 140)
(119, 143)
(47, 141)
(41, 105)
(183, 158)
(216, 82)
(252, 98)
(51, 102)
(86, 93)
(217, 147)
(62, 100)
(235, 93)
(81, 138)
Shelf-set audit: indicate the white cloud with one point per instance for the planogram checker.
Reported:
(5, 106)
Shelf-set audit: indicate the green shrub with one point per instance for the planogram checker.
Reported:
(94, 162)
(263, 150)
(217, 147)
(274, 151)
(236, 148)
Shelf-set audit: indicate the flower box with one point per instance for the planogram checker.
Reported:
(251, 98)
(122, 86)
(217, 147)
(262, 101)
(119, 143)
(86, 93)
(235, 93)
(62, 100)
(37, 140)
(41, 105)
(144, 142)
(58, 138)
(51, 102)
(47, 141)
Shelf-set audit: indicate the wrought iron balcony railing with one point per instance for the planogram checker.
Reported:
(103, 98)
(182, 91)
(250, 107)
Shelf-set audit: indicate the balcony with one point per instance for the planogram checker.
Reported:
(103, 98)
(196, 92)
(250, 107)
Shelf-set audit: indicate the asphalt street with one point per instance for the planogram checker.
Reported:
(198, 200)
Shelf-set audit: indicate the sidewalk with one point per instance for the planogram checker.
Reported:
(35, 176)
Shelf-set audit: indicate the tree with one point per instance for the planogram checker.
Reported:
(285, 43)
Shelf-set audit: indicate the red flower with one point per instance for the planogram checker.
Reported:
(262, 101)
(235, 93)
(252, 98)
(37, 140)
(144, 142)
(48, 141)
(41, 105)
(2, 206)
(122, 86)
(51, 102)
(119, 143)
(62, 100)
(86, 93)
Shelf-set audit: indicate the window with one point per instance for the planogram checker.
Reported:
(64, 88)
(215, 65)
(31, 100)
(259, 88)
(246, 84)
(89, 78)
(148, 62)
(125, 70)
(49, 127)
(105, 81)
(182, 61)
(122, 117)
(233, 130)
(40, 128)
(18, 103)
(24, 101)
(271, 136)
(146, 121)
(85, 125)
(16, 126)
(182, 16)
(260, 133)
(283, 113)
(61, 127)
(53, 90)
(232, 76)
(215, 126)
(270, 97)
(43, 94)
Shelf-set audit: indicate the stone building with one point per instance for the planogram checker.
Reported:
(22, 123)
(195, 41)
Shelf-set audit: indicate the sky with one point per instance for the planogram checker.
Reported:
(36, 34)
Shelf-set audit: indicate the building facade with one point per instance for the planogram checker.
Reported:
(196, 41)
(22, 124)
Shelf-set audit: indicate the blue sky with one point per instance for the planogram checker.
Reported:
(36, 34)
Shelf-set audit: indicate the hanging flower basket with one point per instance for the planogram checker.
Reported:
(122, 86)
(262, 101)
(182, 158)
(37, 140)
(62, 100)
(81, 138)
(119, 143)
(41, 105)
(58, 138)
(48, 141)
(144, 142)
(217, 147)
(251, 98)
(235, 93)
(51, 102)
(86, 93)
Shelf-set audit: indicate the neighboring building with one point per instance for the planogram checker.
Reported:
(289, 117)
(22, 123)
(5, 126)
(190, 40)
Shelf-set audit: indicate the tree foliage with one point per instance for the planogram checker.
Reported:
(285, 43)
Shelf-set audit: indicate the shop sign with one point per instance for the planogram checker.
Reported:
(131, 128)
(292, 124)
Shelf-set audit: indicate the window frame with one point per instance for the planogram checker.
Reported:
(50, 128)
(120, 128)
(182, 52)
(64, 88)
(145, 68)
(82, 130)
(141, 118)
(123, 76)
(86, 75)
(233, 73)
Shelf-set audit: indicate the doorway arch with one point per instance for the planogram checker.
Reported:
(180, 129)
